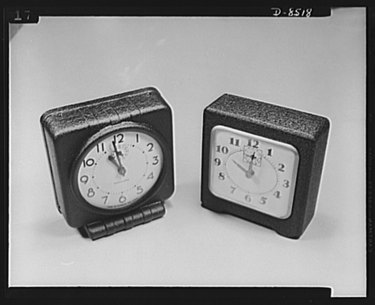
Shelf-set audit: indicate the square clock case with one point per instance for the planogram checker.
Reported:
(111, 160)
(262, 162)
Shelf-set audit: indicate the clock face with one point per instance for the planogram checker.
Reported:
(253, 171)
(120, 168)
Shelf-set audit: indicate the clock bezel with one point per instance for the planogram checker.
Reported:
(290, 147)
(97, 137)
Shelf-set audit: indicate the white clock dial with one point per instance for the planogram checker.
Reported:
(119, 169)
(253, 171)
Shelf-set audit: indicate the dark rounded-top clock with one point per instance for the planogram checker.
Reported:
(262, 162)
(111, 160)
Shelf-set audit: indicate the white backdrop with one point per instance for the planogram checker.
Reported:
(315, 65)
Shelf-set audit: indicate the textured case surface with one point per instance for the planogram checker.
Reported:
(308, 133)
(67, 129)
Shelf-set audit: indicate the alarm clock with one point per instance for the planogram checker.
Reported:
(262, 162)
(111, 160)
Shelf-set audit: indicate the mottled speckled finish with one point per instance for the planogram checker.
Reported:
(307, 132)
(67, 130)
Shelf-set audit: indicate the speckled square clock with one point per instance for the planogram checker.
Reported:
(262, 162)
(111, 160)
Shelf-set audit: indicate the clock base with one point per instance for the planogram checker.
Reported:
(290, 232)
(286, 235)
(145, 214)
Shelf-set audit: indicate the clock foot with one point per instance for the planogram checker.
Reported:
(82, 231)
(290, 235)
(99, 229)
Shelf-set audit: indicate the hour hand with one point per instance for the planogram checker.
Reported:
(121, 170)
(240, 166)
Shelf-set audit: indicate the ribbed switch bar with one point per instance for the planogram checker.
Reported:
(99, 229)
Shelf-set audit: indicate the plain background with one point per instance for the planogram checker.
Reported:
(313, 64)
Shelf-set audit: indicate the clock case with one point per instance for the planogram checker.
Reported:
(307, 132)
(68, 129)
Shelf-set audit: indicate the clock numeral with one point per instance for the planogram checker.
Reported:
(222, 149)
(156, 160)
(137, 137)
(269, 152)
(150, 176)
(286, 183)
(122, 199)
(89, 162)
(281, 167)
(150, 146)
(221, 176)
(84, 179)
(263, 200)
(105, 199)
(139, 189)
(248, 198)
(232, 189)
(235, 142)
(217, 161)
(100, 147)
(91, 192)
(277, 194)
(253, 143)
(118, 138)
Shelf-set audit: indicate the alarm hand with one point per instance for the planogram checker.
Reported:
(121, 168)
(250, 172)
